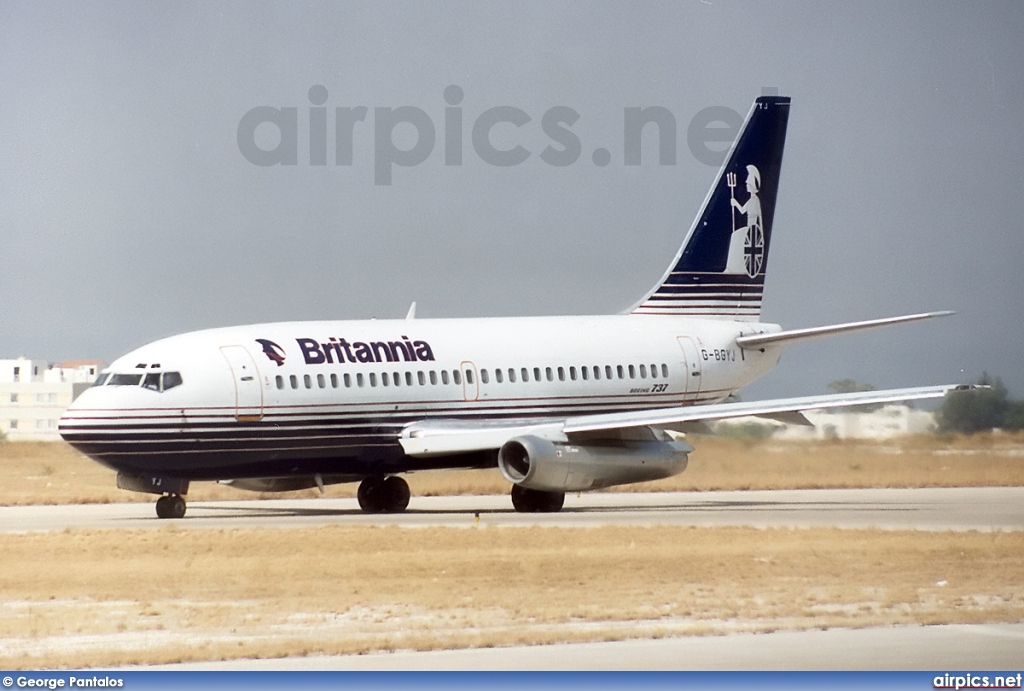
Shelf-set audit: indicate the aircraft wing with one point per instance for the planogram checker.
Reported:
(439, 437)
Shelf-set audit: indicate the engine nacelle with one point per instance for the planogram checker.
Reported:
(535, 463)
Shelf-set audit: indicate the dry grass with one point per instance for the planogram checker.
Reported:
(54, 473)
(96, 598)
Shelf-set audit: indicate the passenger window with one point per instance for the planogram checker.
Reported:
(585, 372)
(572, 373)
(469, 376)
(620, 372)
(294, 381)
(484, 377)
(664, 371)
(408, 378)
(321, 382)
(383, 379)
(654, 371)
(152, 381)
(498, 376)
(433, 378)
(643, 371)
(608, 372)
(307, 380)
(373, 379)
(511, 375)
(334, 381)
(457, 377)
(280, 381)
(347, 378)
(526, 374)
(632, 372)
(397, 378)
(360, 382)
(421, 378)
(561, 374)
(172, 379)
(597, 372)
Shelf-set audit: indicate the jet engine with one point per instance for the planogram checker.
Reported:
(538, 464)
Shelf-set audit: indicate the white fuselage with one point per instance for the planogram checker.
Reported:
(332, 397)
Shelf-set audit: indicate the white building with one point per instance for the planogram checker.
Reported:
(34, 394)
(885, 423)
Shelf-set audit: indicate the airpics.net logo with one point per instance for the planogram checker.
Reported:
(708, 134)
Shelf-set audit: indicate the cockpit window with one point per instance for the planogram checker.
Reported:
(154, 381)
(171, 379)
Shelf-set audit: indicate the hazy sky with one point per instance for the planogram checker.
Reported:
(128, 211)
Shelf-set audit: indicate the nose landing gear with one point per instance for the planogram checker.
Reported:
(170, 506)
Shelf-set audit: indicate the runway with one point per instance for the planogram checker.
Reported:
(945, 648)
(960, 509)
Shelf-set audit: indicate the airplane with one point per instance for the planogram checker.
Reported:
(557, 404)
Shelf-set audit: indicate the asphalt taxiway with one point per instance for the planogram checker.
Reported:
(960, 509)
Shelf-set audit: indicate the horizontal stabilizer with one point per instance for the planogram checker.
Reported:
(795, 335)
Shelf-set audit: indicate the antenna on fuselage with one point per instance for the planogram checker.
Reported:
(411, 314)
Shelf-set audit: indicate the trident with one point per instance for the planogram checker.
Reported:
(730, 180)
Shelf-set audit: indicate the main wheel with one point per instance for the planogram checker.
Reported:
(383, 495)
(397, 494)
(371, 495)
(536, 501)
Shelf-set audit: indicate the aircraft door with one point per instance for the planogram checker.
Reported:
(248, 392)
(691, 362)
(470, 381)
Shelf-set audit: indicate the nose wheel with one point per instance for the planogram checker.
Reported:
(170, 506)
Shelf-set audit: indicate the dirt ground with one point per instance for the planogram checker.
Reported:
(82, 598)
(97, 598)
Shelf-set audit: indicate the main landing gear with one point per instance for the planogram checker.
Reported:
(170, 506)
(536, 501)
(383, 495)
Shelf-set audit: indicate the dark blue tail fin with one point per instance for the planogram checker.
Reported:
(719, 271)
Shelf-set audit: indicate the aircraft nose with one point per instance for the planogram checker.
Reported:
(66, 422)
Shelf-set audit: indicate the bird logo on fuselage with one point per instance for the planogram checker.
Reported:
(272, 351)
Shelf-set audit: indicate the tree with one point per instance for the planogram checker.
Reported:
(1013, 420)
(976, 410)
